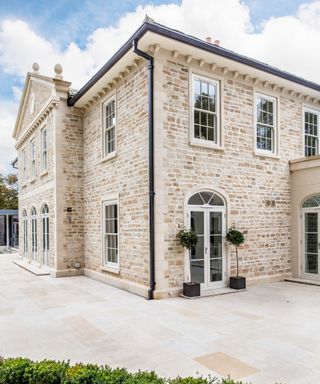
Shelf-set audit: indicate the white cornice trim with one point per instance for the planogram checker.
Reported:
(52, 103)
(44, 80)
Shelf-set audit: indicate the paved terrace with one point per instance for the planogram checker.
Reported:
(268, 334)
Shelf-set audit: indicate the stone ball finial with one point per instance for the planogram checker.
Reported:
(58, 71)
(35, 67)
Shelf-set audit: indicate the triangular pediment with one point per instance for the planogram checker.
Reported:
(37, 92)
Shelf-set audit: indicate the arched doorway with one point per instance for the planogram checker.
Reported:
(311, 237)
(34, 234)
(206, 217)
(45, 234)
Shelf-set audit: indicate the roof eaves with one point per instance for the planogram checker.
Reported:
(201, 44)
(110, 63)
(195, 42)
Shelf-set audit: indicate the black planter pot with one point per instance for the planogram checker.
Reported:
(191, 289)
(237, 282)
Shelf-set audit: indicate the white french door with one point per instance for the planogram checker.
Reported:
(34, 239)
(207, 259)
(311, 244)
(45, 239)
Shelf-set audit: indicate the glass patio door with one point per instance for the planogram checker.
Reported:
(215, 267)
(206, 259)
(310, 265)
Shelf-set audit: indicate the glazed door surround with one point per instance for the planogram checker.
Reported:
(207, 260)
(310, 257)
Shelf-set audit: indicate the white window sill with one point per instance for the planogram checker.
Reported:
(110, 156)
(32, 180)
(112, 269)
(266, 154)
(204, 144)
(44, 173)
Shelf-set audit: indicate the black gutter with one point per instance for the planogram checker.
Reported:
(195, 42)
(109, 64)
(152, 283)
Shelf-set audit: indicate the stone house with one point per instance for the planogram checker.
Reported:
(171, 132)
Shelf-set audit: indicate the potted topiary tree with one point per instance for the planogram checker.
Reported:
(188, 239)
(236, 238)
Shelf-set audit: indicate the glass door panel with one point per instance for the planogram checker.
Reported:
(215, 233)
(311, 243)
(197, 254)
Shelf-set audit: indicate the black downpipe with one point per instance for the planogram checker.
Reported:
(149, 58)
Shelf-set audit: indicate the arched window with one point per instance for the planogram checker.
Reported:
(25, 232)
(206, 217)
(311, 236)
(45, 234)
(205, 198)
(34, 235)
(312, 202)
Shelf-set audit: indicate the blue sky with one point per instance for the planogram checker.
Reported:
(74, 20)
(47, 28)
(64, 21)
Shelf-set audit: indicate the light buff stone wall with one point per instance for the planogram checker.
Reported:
(249, 182)
(257, 189)
(61, 186)
(125, 175)
(38, 191)
(69, 188)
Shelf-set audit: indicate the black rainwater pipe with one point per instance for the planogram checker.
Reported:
(149, 58)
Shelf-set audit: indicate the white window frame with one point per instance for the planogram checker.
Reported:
(193, 139)
(45, 221)
(24, 164)
(25, 232)
(34, 233)
(274, 150)
(315, 112)
(105, 264)
(33, 158)
(108, 155)
(44, 149)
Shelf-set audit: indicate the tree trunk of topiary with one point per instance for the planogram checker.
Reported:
(237, 261)
(189, 252)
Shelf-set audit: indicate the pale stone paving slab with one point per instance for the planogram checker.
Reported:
(267, 334)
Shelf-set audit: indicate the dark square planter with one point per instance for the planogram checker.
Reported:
(237, 282)
(191, 289)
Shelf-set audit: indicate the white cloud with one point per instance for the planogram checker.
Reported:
(289, 42)
(283, 41)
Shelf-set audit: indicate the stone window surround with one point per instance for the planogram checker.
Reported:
(44, 165)
(312, 109)
(219, 81)
(110, 199)
(275, 99)
(24, 166)
(33, 159)
(111, 96)
(38, 235)
(45, 232)
(34, 232)
(223, 194)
